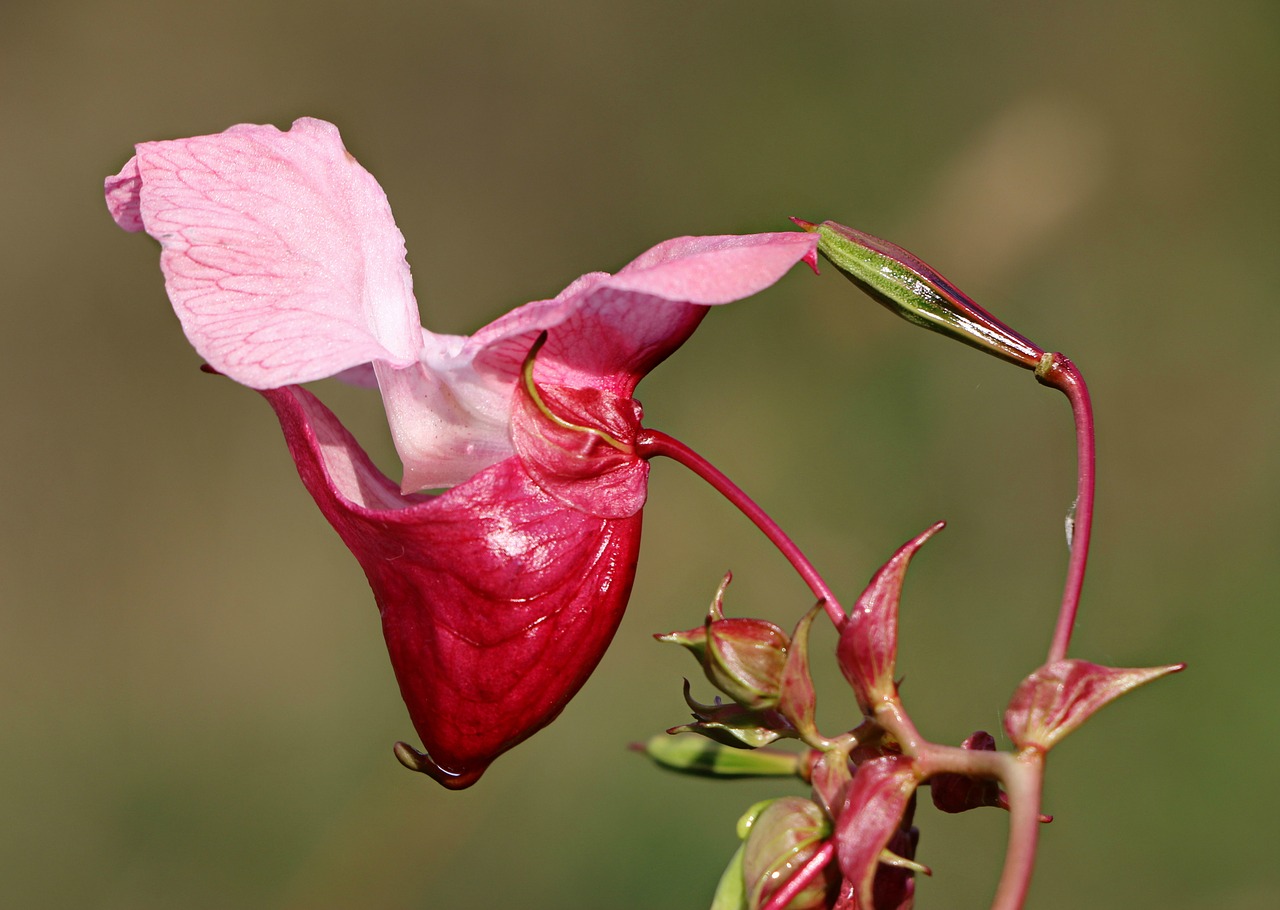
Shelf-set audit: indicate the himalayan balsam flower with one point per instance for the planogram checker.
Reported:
(499, 595)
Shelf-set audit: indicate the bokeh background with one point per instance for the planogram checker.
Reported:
(195, 705)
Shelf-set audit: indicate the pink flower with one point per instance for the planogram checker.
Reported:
(499, 595)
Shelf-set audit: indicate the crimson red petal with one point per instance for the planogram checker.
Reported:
(497, 600)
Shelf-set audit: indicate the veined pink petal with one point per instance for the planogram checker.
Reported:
(497, 601)
(609, 331)
(279, 251)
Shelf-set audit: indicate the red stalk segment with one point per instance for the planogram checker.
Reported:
(650, 443)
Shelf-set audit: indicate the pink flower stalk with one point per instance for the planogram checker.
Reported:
(498, 596)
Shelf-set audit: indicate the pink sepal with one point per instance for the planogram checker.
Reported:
(1059, 697)
(868, 647)
(873, 813)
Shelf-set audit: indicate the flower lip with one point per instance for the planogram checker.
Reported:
(496, 600)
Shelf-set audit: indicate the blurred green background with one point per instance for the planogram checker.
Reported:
(196, 708)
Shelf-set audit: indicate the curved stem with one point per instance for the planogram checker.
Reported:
(804, 876)
(892, 717)
(1060, 373)
(1023, 783)
(652, 442)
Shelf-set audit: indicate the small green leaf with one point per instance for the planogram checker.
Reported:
(703, 757)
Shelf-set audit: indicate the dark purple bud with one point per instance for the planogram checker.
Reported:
(959, 792)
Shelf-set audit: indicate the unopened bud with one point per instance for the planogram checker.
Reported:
(915, 291)
(743, 658)
(733, 725)
(959, 792)
(780, 839)
(697, 755)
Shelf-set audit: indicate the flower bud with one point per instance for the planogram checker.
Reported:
(691, 755)
(780, 839)
(915, 291)
(959, 792)
(733, 725)
(743, 658)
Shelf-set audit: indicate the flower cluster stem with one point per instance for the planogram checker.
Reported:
(650, 443)
(1023, 782)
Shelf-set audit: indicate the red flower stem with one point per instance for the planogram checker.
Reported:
(804, 876)
(1023, 782)
(1060, 373)
(650, 443)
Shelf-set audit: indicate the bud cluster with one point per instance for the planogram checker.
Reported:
(863, 782)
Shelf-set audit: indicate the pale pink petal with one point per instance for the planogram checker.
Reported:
(448, 422)
(122, 196)
(711, 270)
(280, 253)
